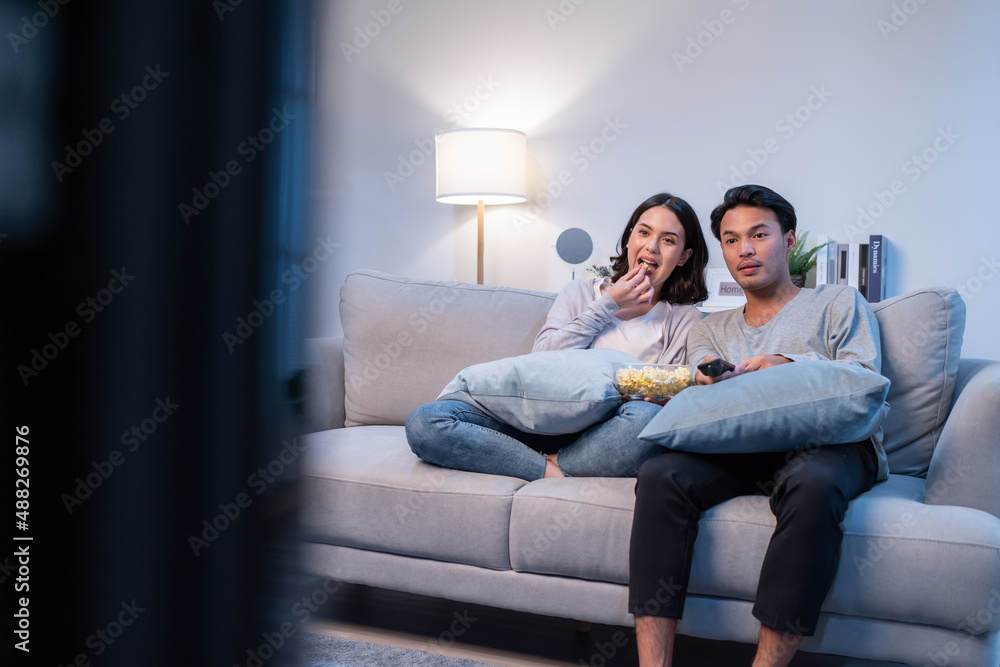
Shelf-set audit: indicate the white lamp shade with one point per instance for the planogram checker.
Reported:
(487, 165)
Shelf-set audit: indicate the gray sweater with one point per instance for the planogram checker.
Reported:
(830, 322)
(582, 317)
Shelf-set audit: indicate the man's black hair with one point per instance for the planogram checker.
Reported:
(756, 196)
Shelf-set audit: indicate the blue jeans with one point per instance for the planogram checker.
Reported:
(457, 435)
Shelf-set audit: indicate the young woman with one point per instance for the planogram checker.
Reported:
(643, 309)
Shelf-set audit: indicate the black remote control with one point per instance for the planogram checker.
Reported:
(715, 367)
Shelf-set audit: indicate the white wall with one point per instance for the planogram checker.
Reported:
(893, 85)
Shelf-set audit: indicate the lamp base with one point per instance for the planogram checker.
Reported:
(480, 210)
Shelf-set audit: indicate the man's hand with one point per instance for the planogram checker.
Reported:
(632, 290)
(701, 378)
(760, 362)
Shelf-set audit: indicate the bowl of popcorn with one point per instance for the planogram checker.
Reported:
(637, 381)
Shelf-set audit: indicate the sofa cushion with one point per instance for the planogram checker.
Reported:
(551, 393)
(574, 527)
(405, 339)
(806, 403)
(364, 488)
(890, 565)
(921, 344)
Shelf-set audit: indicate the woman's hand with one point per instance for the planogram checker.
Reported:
(632, 290)
(648, 399)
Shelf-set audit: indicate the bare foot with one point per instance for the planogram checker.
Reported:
(552, 466)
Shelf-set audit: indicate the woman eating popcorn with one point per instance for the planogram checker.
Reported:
(645, 309)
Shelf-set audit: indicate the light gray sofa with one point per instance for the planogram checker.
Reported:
(919, 574)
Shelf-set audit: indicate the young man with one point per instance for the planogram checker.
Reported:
(779, 324)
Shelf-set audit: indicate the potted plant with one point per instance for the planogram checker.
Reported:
(600, 271)
(801, 261)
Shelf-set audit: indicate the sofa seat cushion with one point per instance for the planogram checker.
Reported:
(364, 488)
(890, 567)
(930, 564)
(574, 527)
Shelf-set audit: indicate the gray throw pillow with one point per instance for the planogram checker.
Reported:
(801, 404)
(551, 393)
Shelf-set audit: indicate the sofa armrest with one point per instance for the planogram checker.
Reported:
(324, 377)
(965, 468)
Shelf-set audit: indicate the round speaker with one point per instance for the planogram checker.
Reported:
(574, 246)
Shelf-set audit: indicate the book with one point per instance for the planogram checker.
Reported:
(876, 268)
(842, 264)
(826, 265)
(853, 269)
(863, 269)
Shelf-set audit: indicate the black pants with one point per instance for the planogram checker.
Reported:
(809, 491)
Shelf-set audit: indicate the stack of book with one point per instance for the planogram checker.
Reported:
(860, 265)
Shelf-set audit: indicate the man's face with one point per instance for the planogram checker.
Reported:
(754, 247)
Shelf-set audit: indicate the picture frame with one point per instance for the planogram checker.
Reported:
(724, 292)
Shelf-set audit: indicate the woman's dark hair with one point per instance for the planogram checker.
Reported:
(756, 196)
(686, 283)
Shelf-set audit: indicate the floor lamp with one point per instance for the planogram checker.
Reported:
(481, 166)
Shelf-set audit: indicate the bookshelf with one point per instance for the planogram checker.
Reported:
(859, 265)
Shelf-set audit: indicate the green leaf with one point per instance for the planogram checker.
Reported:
(801, 262)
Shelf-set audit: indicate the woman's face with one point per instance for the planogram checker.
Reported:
(657, 242)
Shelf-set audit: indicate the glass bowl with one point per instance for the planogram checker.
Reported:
(638, 381)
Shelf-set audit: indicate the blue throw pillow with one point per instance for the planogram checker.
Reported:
(551, 393)
(801, 404)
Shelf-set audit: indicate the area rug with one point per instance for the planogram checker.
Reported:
(325, 651)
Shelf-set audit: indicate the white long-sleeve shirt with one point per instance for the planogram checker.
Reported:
(582, 317)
